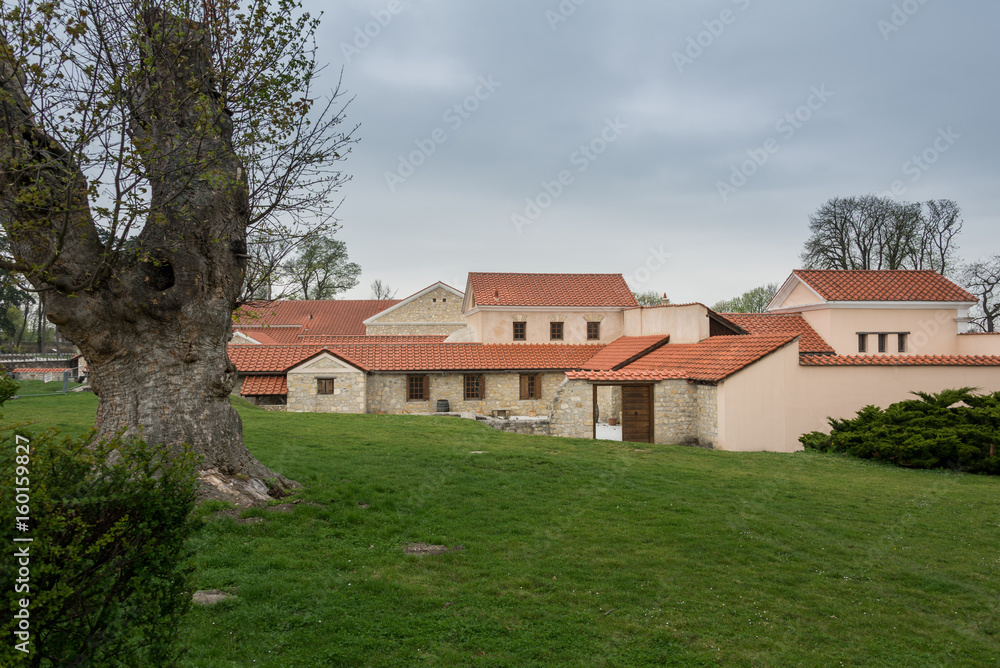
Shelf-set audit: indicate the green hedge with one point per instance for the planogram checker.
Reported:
(955, 429)
(110, 567)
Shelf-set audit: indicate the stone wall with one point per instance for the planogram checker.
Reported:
(685, 413)
(437, 312)
(536, 426)
(572, 411)
(349, 392)
(413, 329)
(609, 402)
(387, 394)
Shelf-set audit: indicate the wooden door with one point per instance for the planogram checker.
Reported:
(637, 413)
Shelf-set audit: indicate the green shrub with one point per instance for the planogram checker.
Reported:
(110, 567)
(954, 429)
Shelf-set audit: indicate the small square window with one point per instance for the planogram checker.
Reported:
(417, 388)
(531, 386)
(593, 331)
(882, 342)
(902, 341)
(324, 386)
(520, 331)
(555, 331)
(474, 387)
(862, 343)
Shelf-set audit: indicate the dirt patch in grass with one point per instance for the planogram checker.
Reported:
(423, 549)
(210, 596)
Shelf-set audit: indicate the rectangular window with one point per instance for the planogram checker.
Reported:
(862, 343)
(324, 386)
(520, 331)
(593, 331)
(555, 331)
(475, 387)
(531, 386)
(902, 341)
(882, 342)
(417, 388)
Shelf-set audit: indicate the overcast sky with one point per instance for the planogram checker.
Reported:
(683, 144)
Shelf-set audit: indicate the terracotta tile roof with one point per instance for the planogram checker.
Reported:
(271, 335)
(495, 289)
(320, 339)
(420, 356)
(40, 369)
(900, 360)
(713, 359)
(623, 350)
(328, 316)
(790, 323)
(258, 386)
(894, 286)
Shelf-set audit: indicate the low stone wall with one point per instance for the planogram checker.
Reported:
(685, 413)
(572, 410)
(537, 426)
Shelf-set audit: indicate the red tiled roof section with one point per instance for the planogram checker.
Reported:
(342, 317)
(776, 323)
(495, 289)
(890, 286)
(320, 339)
(41, 369)
(260, 386)
(713, 359)
(420, 356)
(622, 350)
(900, 360)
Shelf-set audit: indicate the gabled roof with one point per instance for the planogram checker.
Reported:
(882, 286)
(783, 323)
(555, 290)
(416, 295)
(323, 316)
(900, 360)
(420, 356)
(713, 359)
(259, 386)
(623, 351)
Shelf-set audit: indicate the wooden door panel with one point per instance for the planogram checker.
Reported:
(637, 417)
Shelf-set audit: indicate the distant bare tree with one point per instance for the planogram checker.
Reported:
(982, 278)
(382, 290)
(871, 232)
(651, 298)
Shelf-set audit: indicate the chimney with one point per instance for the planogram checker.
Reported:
(664, 301)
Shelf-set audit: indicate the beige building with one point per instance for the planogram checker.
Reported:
(577, 349)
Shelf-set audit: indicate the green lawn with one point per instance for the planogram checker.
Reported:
(585, 554)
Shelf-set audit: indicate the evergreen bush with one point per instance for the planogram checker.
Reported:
(956, 429)
(111, 572)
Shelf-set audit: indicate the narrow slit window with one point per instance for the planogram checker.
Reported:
(862, 343)
(882, 342)
(901, 337)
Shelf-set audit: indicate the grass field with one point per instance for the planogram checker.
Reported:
(579, 553)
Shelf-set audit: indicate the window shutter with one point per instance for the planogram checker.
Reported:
(482, 387)
(538, 386)
(524, 387)
(427, 388)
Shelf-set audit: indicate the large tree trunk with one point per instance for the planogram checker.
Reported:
(152, 319)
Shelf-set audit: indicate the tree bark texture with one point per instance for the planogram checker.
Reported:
(154, 320)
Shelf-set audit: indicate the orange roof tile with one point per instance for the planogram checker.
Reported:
(258, 386)
(624, 350)
(791, 323)
(713, 359)
(891, 286)
(420, 356)
(497, 289)
(900, 360)
(325, 316)
(40, 369)
(321, 339)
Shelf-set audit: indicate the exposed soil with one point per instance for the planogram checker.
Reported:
(423, 549)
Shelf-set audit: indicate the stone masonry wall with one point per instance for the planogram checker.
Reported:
(684, 413)
(572, 410)
(439, 306)
(410, 329)
(387, 394)
(349, 393)
(609, 402)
